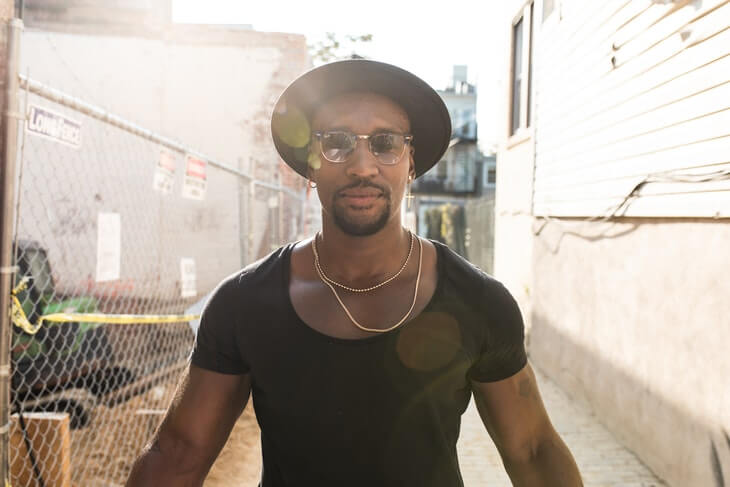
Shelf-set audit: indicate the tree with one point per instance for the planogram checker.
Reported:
(332, 49)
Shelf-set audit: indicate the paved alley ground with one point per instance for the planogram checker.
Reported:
(602, 461)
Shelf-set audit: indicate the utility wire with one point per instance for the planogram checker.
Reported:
(663, 177)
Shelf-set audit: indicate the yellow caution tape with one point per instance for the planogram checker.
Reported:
(20, 320)
(17, 316)
(115, 319)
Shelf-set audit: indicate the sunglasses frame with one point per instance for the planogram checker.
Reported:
(406, 137)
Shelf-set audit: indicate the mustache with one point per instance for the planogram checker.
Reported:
(362, 183)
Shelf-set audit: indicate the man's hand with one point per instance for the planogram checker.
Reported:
(514, 415)
(195, 428)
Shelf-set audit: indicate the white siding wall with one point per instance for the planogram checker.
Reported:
(629, 89)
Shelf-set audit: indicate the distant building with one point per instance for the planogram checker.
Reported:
(460, 172)
(462, 176)
(210, 87)
(111, 16)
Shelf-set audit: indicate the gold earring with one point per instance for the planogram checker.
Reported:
(409, 195)
(312, 184)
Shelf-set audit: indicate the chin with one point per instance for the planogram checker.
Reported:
(362, 226)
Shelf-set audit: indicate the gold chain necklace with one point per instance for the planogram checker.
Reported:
(347, 311)
(354, 289)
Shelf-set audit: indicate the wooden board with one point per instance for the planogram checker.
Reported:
(50, 439)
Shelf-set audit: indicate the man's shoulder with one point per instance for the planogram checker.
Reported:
(459, 268)
(469, 281)
(482, 293)
(258, 272)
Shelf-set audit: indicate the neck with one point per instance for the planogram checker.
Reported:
(363, 261)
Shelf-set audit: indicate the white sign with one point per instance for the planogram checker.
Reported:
(108, 247)
(54, 126)
(187, 277)
(195, 180)
(164, 172)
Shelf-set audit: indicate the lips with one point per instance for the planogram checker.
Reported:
(360, 196)
(361, 193)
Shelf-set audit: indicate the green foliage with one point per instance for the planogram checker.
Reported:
(332, 49)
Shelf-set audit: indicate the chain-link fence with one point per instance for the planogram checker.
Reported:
(479, 214)
(115, 220)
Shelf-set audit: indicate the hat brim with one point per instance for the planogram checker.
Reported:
(428, 115)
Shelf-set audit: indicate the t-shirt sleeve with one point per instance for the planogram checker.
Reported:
(216, 345)
(503, 349)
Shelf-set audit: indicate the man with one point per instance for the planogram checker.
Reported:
(362, 345)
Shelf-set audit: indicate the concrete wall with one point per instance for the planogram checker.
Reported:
(514, 188)
(513, 223)
(212, 89)
(636, 322)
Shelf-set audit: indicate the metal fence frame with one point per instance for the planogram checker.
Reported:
(10, 120)
(15, 85)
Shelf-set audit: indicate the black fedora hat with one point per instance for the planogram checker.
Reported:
(291, 119)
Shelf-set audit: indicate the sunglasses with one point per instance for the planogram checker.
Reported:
(337, 145)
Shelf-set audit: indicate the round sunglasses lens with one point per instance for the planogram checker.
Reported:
(387, 147)
(336, 146)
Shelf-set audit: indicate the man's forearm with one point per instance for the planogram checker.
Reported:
(552, 465)
(155, 468)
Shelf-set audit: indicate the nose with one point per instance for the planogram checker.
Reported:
(362, 162)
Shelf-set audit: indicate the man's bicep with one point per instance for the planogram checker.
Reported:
(202, 414)
(513, 412)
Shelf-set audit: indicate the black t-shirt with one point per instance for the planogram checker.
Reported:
(379, 411)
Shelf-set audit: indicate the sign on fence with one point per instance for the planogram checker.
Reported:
(108, 247)
(54, 126)
(164, 172)
(187, 277)
(195, 180)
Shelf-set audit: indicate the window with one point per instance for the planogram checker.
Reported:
(547, 8)
(529, 70)
(492, 175)
(516, 74)
(442, 167)
(521, 86)
(466, 126)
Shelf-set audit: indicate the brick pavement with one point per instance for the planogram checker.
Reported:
(603, 462)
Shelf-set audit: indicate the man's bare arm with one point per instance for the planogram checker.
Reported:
(194, 430)
(514, 415)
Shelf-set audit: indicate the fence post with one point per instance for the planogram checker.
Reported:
(8, 143)
(251, 213)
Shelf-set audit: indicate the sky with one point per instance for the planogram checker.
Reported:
(428, 41)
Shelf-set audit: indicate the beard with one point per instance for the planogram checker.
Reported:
(361, 226)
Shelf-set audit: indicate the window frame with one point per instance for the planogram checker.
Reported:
(524, 126)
